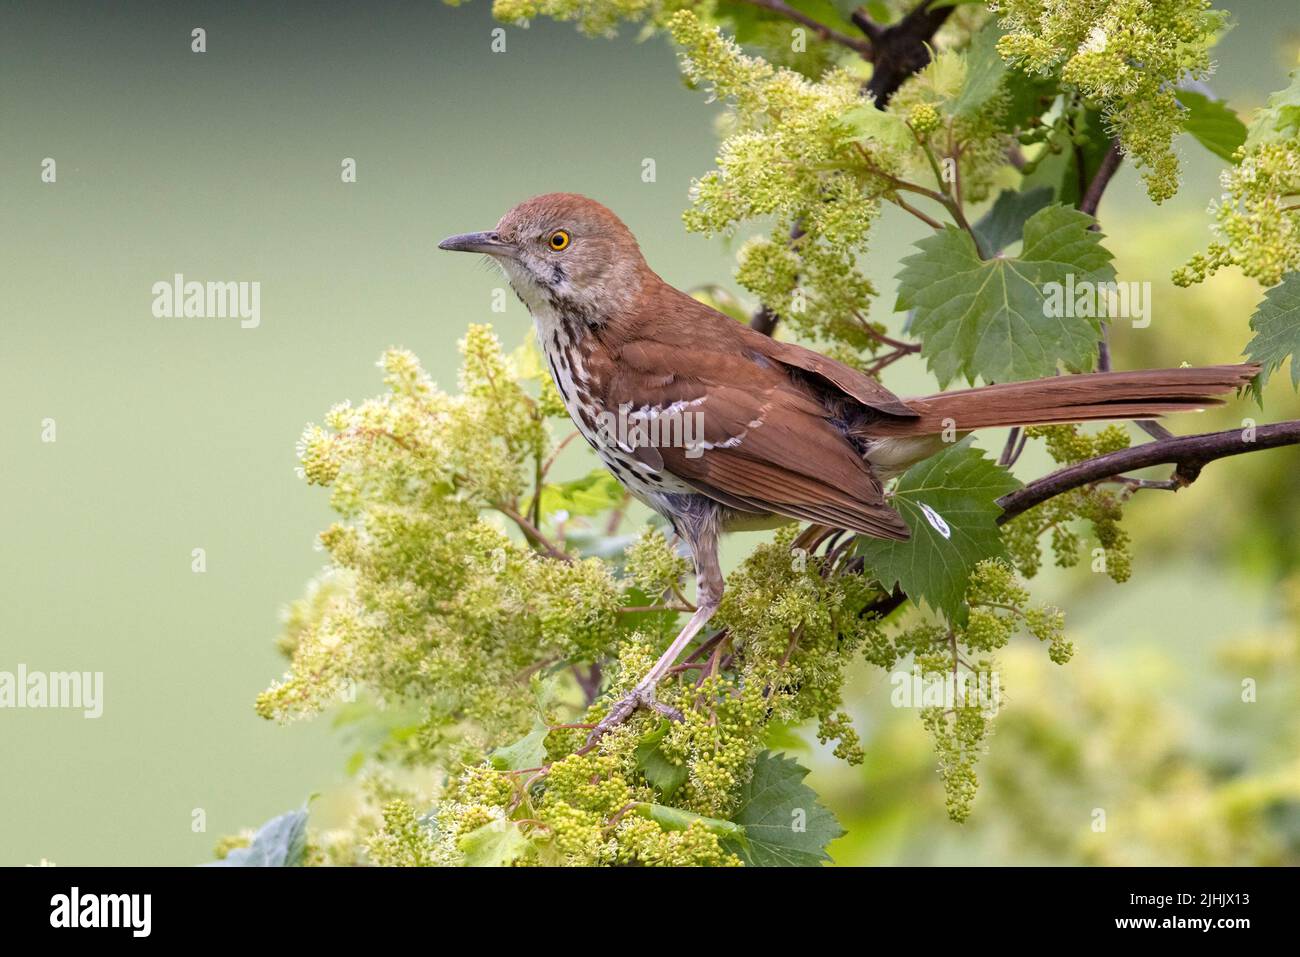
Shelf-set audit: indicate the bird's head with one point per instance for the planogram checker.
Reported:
(565, 253)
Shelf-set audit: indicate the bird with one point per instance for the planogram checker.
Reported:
(783, 432)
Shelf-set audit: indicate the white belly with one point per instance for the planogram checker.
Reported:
(573, 382)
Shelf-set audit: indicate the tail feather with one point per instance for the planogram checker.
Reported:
(1144, 394)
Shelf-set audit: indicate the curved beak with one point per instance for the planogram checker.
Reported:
(485, 242)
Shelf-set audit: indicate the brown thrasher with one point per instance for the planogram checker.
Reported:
(785, 433)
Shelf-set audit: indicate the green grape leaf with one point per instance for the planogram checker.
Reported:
(785, 825)
(1004, 223)
(888, 129)
(592, 494)
(663, 775)
(945, 78)
(1212, 124)
(949, 501)
(846, 8)
(1279, 118)
(985, 69)
(1028, 95)
(880, 12)
(528, 752)
(1276, 324)
(280, 842)
(991, 319)
(832, 14)
(495, 844)
(748, 20)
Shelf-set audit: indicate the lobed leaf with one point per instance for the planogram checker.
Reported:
(989, 319)
(1276, 324)
(1212, 124)
(784, 823)
(949, 502)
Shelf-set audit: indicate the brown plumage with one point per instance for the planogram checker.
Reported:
(1143, 394)
(786, 432)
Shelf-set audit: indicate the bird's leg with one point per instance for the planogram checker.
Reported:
(703, 542)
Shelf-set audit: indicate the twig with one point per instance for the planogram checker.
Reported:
(1154, 429)
(616, 516)
(1109, 164)
(908, 207)
(928, 150)
(534, 510)
(546, 467)
(589, 682)
(1089, 202)
(951, 192)
(1015, 445)
(687, 666)
(863, 47)
(883, 606)
(1190, 453)
(959, 217)
(874, 333)
(706, 646)
(682, 599)
(532, 534)
(384, 433)
(1080, 170)
(888, 359)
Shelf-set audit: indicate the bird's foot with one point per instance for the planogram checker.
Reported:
(642, 696)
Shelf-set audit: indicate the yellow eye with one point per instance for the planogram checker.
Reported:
(559, 240)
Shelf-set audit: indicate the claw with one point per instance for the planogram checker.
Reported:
(642, 696)
(667, 710)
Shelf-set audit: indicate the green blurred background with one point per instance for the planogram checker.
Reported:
(175, 434)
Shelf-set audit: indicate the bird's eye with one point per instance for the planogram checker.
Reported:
(559, 240)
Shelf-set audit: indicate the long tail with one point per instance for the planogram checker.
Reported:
(1070, 398)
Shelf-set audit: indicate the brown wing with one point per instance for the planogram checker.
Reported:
(765, 444)
(857, 384)
(664, 312)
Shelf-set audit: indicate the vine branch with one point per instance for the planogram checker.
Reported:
(1100, 180)
(1189, 453)
(532, 533)
(900, 49)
